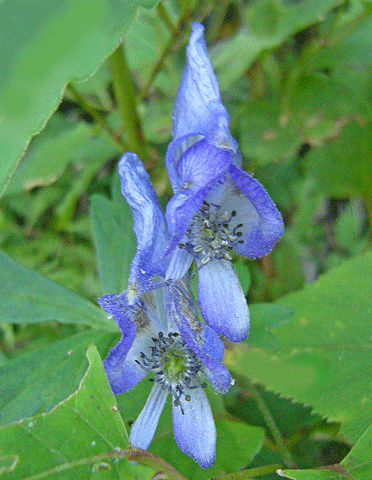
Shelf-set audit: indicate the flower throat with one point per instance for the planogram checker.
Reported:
(175, 366)
(210, 236)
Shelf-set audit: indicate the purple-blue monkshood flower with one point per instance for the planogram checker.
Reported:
(216, 207)
(148, 224)
(161, 334)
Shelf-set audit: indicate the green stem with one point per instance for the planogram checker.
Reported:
(271, 425)
(249, 473)
(165, 17)
(216, 20)
(152, 460)
(80, 100)
(185, 13)
(295, 74)
(125, 101)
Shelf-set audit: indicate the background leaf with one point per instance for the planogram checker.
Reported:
(324, 355)
(45, 47)
(357, 465)
(330, 163)
(28, 297)
(268, 24)
(114, 239)
(35, 382)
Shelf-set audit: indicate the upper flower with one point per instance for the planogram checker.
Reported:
(217, 207)
(198, 110)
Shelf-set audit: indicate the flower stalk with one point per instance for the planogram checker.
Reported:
(271, 425)
(125, 101)
(100, 119)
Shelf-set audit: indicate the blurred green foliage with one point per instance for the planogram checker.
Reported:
(296, 78)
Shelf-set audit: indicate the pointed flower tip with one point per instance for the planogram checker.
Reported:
(197, 31)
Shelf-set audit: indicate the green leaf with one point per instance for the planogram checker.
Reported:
(263, 318)
(357, 465)
(352, 50)
(343, 168)
(321, 105)
(83, 436)
(265, 135)
(46, 161)
(37, 381)
(324, 356)
(28, 297)
(269, 24)
(114, 239)
(52, 151)
(48, 45)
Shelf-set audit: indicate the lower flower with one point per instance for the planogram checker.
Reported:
(178, 372)
(162, 337)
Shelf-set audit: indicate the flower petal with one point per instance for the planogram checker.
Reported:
(136, 328)
(148, 224)
(195, 431)
(143, 429)
(259, 235)
(198, 108)
(202, 340)
(200, 168)
(121, 369)
(221, 300)
(179, 264)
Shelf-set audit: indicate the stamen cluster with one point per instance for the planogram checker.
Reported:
(210, 235)
(175, 365)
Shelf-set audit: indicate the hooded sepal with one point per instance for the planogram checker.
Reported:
(262, 221)
(136, 329)
(148, 225)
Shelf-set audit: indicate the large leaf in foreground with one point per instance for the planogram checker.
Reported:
(357, 465)
(324, 354)
(46, 45)
(28, 297)
(84, 436)
(35, 382)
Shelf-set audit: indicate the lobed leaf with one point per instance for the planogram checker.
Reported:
(84, 436)
(357, 465)
(35, 382)
(324, 353)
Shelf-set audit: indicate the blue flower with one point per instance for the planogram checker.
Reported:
(216, 207)
(161, 334)
(148, 224)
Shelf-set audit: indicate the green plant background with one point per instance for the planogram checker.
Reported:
(82, 82)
